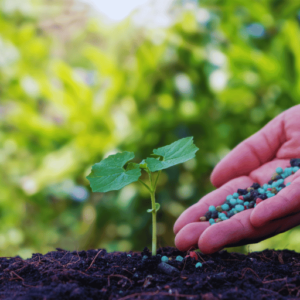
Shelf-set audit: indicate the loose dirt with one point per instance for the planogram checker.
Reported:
(96, 274)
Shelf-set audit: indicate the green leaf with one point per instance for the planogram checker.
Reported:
(132, 166)
(156, 156)
(157, 207)
(174, 154)
(143, 164)
(109, 174)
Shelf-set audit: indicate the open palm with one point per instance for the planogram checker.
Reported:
(253, 160)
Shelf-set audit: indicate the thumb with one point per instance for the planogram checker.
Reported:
(253, 152)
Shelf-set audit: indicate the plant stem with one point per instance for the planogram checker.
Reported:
(152, 194)
(154, 188)
(148, 188)
(153, 223)
(150, 177)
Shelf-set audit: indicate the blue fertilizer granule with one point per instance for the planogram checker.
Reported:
(179, 258)
(164, 259)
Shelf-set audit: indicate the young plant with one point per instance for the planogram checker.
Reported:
(116, 171)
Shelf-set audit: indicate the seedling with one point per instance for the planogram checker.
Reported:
(117, 171)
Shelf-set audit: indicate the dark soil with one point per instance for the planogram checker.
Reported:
(96, 274)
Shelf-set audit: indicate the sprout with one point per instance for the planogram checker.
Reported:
(116, 171)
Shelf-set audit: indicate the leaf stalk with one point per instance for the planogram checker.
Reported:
(146, 186)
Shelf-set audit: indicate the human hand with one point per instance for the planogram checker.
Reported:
(253, 160)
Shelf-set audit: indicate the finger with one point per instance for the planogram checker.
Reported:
(292, 178)
(283, 225)
(264, 173)
(188, 236)
(255, 151)
(216, 197)
(286, 202)
(237, 237)
(231, 230)
(237, 231)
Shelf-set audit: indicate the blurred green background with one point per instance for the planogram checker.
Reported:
(76, 87)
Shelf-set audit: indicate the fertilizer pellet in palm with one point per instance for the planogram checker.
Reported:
(250, 197)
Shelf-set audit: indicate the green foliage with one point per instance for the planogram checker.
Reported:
(74, 92)
(157, 207)
(174, 154)
(109, 174)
